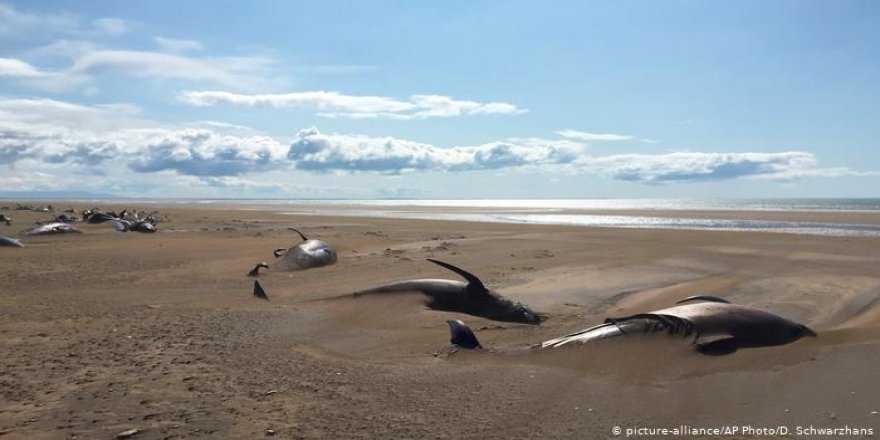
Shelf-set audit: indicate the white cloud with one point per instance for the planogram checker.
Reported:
(43, 133)
(694, 167)
(589, 137)
(176, 45)
(335, 104)
(15, 68)
(315, 151)
(69, 49)
(229, 71)
(90, 62)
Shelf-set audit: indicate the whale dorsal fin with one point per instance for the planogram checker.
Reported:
(708, 298)
(298, 232)
(461, 335)
(474, 283)
(259, 292)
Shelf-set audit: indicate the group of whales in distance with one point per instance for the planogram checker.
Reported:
(125, 221)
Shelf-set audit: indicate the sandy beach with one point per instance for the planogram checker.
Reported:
(103, 332)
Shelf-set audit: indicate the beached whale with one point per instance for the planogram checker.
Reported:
(471, 297)
(309, 254)
(9, 241)
(717, 327)
(134, 225)
(52, 229)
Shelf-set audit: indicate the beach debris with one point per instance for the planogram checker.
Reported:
(718, 327)
(270, 432)
(309, 254)
(255, 272)
(259, 292)
(51, 229)
(9, 241)
(128, 433)
(471, 297)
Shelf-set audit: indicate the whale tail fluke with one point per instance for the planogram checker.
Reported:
(298, 232)
(462, 335)
(259, 292)
(255, 272)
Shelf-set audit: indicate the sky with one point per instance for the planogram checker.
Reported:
(453, 99)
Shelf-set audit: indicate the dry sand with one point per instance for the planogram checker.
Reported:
(103, 332)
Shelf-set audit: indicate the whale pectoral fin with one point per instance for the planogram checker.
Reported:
(259, 292)
(462, 335)
(120, 226)
(474, 283)
(717, 345)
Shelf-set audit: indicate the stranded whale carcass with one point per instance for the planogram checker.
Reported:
(717, 327)
(470, 297)
(52, 229)
(306, 255)
(9, 241)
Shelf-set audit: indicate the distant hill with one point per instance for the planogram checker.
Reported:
(55, 195)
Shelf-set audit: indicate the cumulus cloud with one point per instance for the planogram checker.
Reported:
(205, 153)
(315, 151)
(589, 137)
(338, 105)
(47, 133)
(55, 132)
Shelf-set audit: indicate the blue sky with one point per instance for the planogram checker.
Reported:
(442, 99)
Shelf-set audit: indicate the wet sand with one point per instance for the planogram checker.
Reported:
(102, 332)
